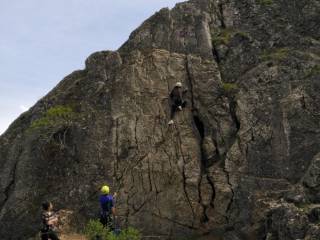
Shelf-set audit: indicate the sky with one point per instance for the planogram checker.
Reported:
(42, 41)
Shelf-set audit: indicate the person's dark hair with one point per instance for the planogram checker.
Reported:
(45, 206)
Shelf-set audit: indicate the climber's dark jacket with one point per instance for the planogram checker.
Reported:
(176, 97)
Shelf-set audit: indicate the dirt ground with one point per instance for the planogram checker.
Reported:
(72, 237)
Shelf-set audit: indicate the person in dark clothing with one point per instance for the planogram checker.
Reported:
(49, 221)
(108, 210)
(177, 102)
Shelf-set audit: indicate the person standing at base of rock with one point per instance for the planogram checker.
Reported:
(108, 211)
(177, 102)
(49, 221)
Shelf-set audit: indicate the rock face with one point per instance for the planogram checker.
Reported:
(242, 161)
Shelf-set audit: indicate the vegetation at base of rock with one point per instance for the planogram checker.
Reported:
(275, 54)
(94, 229)
(53, 116)
(126, 234)
(224, 37)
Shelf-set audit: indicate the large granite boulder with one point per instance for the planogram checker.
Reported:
(240, 162)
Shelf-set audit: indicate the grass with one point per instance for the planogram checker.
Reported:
(95, 230)
(275, 54)
(228, 87)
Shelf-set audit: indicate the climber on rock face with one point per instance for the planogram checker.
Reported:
(177, 102)
(108, 210)
(49, 222)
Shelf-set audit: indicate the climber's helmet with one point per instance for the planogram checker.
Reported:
(178, 84)
(105, 190)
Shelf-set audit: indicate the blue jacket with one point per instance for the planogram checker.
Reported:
(106, 203)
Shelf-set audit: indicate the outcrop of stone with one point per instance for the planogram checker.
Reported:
(242, 161)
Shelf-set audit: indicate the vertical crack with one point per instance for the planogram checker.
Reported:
(303, 102)
(204, 161)
(200, 127)
(235, 119)
(135, 132)
(213, 196)
(204, 171)
(232, 194)
(233, 106)
(232, 112)
(221, 16)
(184, 177)
(216, 55)
(149, 176)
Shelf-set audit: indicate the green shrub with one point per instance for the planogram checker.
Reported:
(223, 37)
(275, 54)
(60, 112)
(42, 122)
(94, 228)
(129, 234)
(53, 116)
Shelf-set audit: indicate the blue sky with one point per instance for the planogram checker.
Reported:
(43, 40)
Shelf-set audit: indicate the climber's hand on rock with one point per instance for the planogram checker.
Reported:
(180, 108)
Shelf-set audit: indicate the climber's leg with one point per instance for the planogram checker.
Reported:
(103, 219)
(174, 108)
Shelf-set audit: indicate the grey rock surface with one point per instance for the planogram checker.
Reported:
(240, 162)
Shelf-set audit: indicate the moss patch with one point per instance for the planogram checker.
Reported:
(275, 54)
(224, 37)
(228, 87)
(314, 71)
